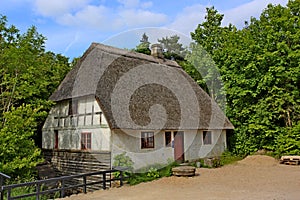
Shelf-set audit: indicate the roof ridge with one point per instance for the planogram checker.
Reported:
(132, 54)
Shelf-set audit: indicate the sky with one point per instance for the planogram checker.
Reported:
(70, 26)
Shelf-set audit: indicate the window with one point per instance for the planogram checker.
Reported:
(73, 107)
(86, 140)
(147, 140)
(55, 139)
(168, 139)
(207, 137)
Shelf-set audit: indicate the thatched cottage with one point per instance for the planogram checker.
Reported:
(115, 101)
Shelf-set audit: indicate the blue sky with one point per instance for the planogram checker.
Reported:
(70, 26)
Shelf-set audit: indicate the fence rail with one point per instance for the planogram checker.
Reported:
(61, 184)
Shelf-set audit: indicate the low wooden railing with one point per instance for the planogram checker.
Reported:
(61, 184)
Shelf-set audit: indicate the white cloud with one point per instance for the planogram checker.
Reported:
(188, 19)
(129, 3)
(90, 16)
(240, 14)
(135, 4)
(147, 4)
(136, 18)
(55, 8)
(81, 13)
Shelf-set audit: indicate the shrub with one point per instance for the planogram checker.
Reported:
(151, 173)
(122, 160)
(288, 142)
(228, 157)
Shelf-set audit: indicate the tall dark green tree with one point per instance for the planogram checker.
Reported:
(260, 69)
(144, 46)
(28, 76)
(172, 47)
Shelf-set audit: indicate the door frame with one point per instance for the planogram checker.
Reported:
(178, 146)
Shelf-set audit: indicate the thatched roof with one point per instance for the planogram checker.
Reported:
(137, 91)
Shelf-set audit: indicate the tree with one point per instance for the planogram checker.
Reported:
(18, 152)
(259, 66)
(172, 47)
(204, 68)
(144, 46)
(28, 76)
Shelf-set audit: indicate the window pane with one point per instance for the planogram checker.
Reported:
(73, 107)
(147, 140)
(56, 139)
(207, 137)
(86, 140)
(168, 139)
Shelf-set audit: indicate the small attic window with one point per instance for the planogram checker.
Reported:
(73, 107)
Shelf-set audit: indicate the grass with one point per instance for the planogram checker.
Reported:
(23, 190)
(151, 173)
(156, 171)
(229, 158)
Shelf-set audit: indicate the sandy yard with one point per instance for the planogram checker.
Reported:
(255, 177)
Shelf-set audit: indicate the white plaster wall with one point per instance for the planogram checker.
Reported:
(100, 138)
(70, 127)
(129, 141)
(196, 149)
(47, 139)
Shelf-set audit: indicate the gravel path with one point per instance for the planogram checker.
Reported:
(255, 177)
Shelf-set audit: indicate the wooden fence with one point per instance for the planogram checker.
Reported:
(61, 184)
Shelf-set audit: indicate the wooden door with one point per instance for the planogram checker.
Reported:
(179, 146)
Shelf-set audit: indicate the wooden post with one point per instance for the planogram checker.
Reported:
(2, 177)
(62, 190)
(110, 177)
(1, 189)
(37, 191)
(104, 181)
(84, 184)
(8, 194)
(121, 178)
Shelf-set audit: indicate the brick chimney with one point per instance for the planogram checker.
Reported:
(157, 51)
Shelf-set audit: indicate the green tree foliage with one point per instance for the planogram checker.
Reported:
(288, 142)
(122, 160)
(144, 46)
(207, 73)
(28, 76)
(259, 66)
(18, 152)
(172, 47)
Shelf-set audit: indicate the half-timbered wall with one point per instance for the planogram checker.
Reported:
(86, 117)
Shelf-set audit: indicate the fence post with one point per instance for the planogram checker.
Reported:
(1, 189)
(62, 190)
(2, 177)
(84, 184)
(8, 194)
(121, 178)
(37, 191)
(104, 181)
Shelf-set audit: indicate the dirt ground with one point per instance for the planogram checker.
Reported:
(255, 177)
